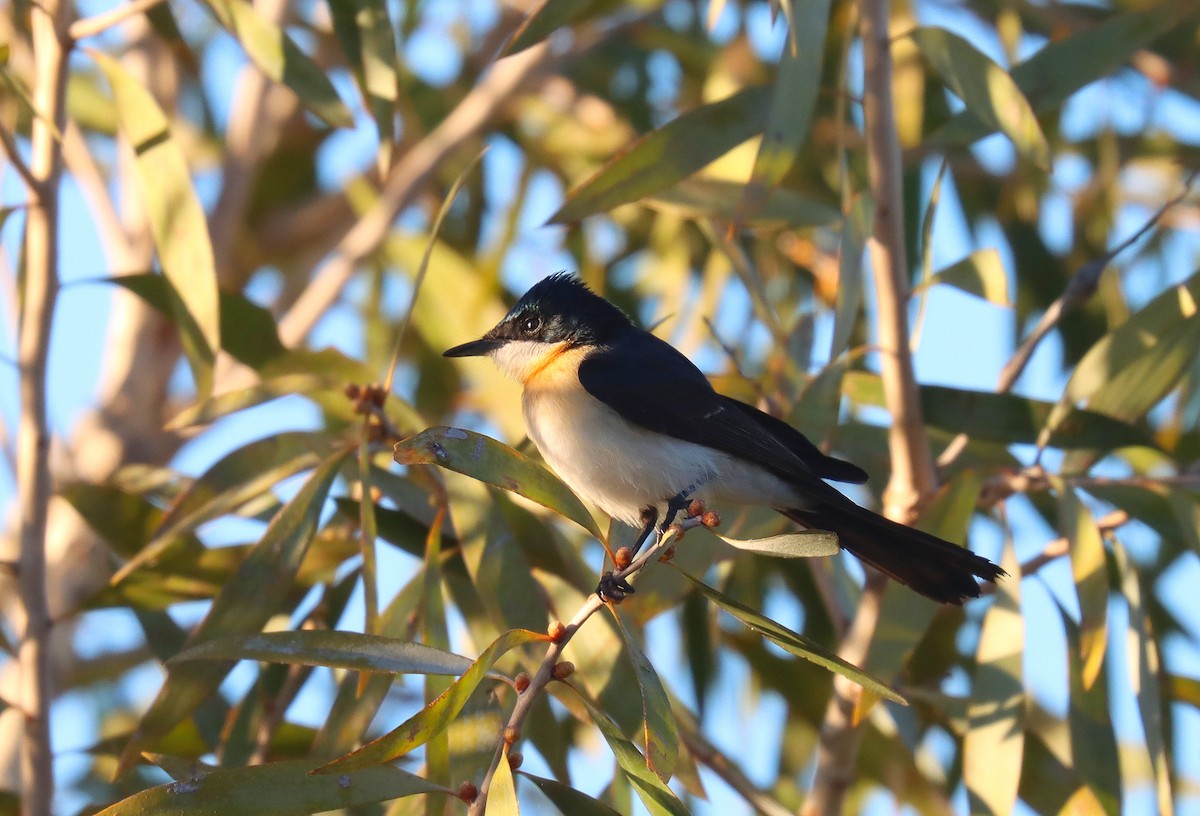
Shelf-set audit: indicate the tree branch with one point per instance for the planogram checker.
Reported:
(98, 24)
(404, 181)
(913, 476)
(48, 22)
(545, 671)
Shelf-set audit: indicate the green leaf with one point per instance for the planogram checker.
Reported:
(654, 793)
(792, 102)
(435, 717)
(855, 230)
(798, 544)
(795, 643)
(569, 801)
(986, 89)
(283, 788)
(502, 796)
(494, 463)
(704, 197)
(240, 477)
(993, 746)
(1135, 365)
(222, 405)
(277, 56)
(247, 602)
(337, 649)
(368, 40)
(980, 274)
(1091, 580)
(177, 219)
(660, 733)
(548, 17)
(1062, 67)
(669, 154)
(1184, 689)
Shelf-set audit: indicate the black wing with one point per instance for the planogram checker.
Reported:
(649, 383)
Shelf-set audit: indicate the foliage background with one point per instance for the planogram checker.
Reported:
(321, 199)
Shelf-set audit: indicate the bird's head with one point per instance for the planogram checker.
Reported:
(559, 313)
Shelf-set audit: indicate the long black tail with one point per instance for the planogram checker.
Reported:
(932, 566)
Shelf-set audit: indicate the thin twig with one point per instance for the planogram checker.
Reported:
(13, 154)
(99, 23)
(913, 475)
(1059, 547)
(1081, 286)
(48, 23)
(545, 671)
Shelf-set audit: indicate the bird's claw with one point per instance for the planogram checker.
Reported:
(613, 589)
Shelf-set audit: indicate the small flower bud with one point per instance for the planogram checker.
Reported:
(511, 735)
(563, 670)
(712, 519)
(467, 792)
(556, 631)
(668, 553)
(623, 557)
(352, 390)
(515, 758)
(696, 508)
(676, 531)
(521, 682)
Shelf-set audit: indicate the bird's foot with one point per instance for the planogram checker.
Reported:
(612, 589)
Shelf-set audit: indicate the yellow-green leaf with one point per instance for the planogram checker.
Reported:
(669, 154)
(980, 274)
(798, 544)
(177, 219)
(247, 602)
(435, 717)
(548, 17)
(569, 801)
(986, 89)
(659, 731)
(270, 48)
(283, 788)
(993, 748)
(1091, 581)
(494, 463)
(795, 643)
(502, 796)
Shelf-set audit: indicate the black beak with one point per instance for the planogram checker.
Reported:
(476, 348)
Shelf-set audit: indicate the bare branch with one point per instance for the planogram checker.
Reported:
(727, 770)
(48, 22)
(13, 154)
(98, 24)
(913, 475)
(1078, 290)
(404, 181)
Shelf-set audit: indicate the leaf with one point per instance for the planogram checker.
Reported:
(494, 463)
(502, 796)
(986, 89)
(705, 197)
(792, 102)
(1135, 365)
(277, 56)
(993, 746)
(798, 544)
(654, 793)
(241, 476)
(1091, 580)
(980, 274)
(855, 230)
(177, 219)
(215, 407)
(336, 649)
(368, 40)
(547, 18)
(246, 603)
(795, 643)
(1062, 67)
(569, 801)
(283, 788)
(669, 154)
(660, 733)
(1184, 689)
(435, 717)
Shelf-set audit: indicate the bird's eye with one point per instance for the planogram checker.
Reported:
(531, 324)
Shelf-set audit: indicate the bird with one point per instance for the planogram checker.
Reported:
(632, 425)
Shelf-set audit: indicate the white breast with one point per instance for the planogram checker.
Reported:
(623, 468)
